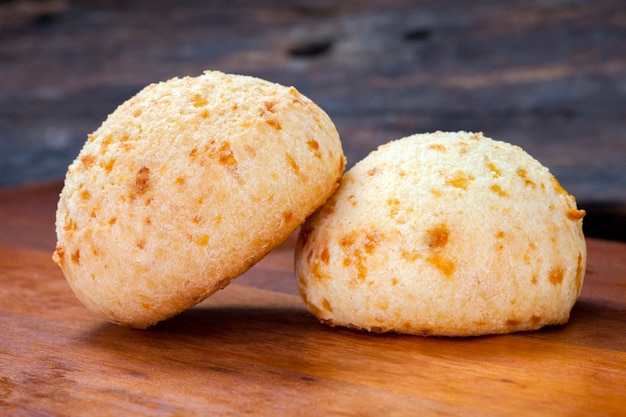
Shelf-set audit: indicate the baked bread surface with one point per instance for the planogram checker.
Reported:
(185, 186)
(447, 233)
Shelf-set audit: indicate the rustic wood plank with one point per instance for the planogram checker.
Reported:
(255, 351)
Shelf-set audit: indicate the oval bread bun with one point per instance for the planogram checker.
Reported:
(450, 234)
(185, 186)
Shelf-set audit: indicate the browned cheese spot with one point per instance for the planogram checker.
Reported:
(512, 322)
(269, 106)
(76, 257)
(315, 148)
(499, 235)
(90, 138)
(274, 123)
(316, 272)
(202, 240)
(371, 241)
(394, 282)
(435, 192)
(70, 226)
(438, 236)
(199, 101)
(141, 243)
(371, 172)
(88, 160)
(355, 255)
(580, 271)
(267, 109)
(329, 209)
(494, 169)
(352, 200)
(292, 163)
(556, 275)
(326, 305)
(557, 186)
(106, 141)
(534, 280)
(523, 174)
(147, 221)
(180, 181)
(142, 182)
(204, 113)
(575, 215)
(85, 195)
(443, 263)
(287, 216)
(193, 154)
(361, 269)
(393, 203)
(437, 147)
(459, 179)
(496, 189)
(108, 165)
(325, 256)
(348, 240)
(476, 136)
(535, 319)
(126, 147)
(411, 256)
(226, 155)
(112, 221)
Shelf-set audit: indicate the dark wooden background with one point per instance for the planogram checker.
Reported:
(548, 75)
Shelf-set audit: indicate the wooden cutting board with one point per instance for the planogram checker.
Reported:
(253, 351)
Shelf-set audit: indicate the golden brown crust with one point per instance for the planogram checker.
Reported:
(444, 234)
(187, 185)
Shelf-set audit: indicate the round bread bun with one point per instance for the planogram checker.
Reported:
(187, 185)
(449, 234)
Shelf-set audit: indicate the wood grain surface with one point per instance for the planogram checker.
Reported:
(253, 351)
(249, 350)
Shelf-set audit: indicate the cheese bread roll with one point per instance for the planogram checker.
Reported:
(449, 233)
